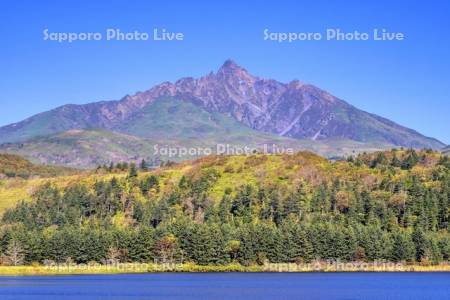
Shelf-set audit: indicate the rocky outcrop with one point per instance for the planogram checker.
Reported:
(294, 109)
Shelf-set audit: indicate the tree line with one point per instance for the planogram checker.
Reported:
(137, 219)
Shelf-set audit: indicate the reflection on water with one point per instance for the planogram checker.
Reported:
(259, 286)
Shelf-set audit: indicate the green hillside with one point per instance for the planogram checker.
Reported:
(16, 166)
(91, 148)
(168, 123)
(81, 148)
(50, 122)
(174, 118)
(365, 127)
(390, 206)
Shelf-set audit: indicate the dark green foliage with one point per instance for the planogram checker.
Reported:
(149, 183)
(133, 173)
(420, 242)
(141, 245)
(209, 245)
(138, 219)
(143, 165)
(403, 248)
(411, 160)
(296, 246)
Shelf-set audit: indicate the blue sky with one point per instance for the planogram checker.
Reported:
(407, 81)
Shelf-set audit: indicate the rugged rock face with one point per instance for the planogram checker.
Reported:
(262, 104)
(295, 110)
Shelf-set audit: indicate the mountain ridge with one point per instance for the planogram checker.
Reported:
(168, 123)
(294, 109)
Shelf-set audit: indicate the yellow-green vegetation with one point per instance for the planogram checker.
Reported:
(277, 170)
(36, 270)
(16, 166)
(234, 171)
(280, 170)
(19, 178)
(13, 190)
(222, 213)
(174, 123)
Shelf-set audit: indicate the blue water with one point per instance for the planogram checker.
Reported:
(259, 286)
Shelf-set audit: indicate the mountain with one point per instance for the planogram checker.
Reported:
(220, 106)
(446, 150)
(175, 125)
(12, 166)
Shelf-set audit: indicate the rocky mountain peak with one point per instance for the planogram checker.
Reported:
(230, 64)
(295, 84)
(230, 70)
(294, 109)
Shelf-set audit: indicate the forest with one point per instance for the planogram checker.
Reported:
(392, 206)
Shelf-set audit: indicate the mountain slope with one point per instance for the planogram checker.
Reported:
(283, 170)
(168, 117)
(256, 209)
(295, 110)
(446, 150)
(80, 148)
(16, 166)
(91, 148)
(168, 123)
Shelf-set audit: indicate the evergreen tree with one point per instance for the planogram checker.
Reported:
(420, 241)
(410, 161)
(403, 248)
(144, 165)
(142, 246)
(133, 173)
(382, 214)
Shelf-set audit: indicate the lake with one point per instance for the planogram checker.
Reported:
(246, 286)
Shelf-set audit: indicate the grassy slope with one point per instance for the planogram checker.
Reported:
(169, 117)
(27, 177)
(16, 166)
(166, 122)
(380, 130)
(234, 171)
(13, 190)
(283, 170)
(46, 123)
(81, 148)
(174, 119)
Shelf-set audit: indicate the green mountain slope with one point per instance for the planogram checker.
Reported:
(15, 166)
(362, 126)
(294, 110)
(81, 148)
(255, 209)
(174, 118)
(50, 122)
(167, 124)
(90, 148)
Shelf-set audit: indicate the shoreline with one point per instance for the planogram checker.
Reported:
(148, 268)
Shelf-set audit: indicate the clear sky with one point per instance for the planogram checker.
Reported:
(407, 81)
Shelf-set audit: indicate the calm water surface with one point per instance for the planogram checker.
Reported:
(259, 286)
